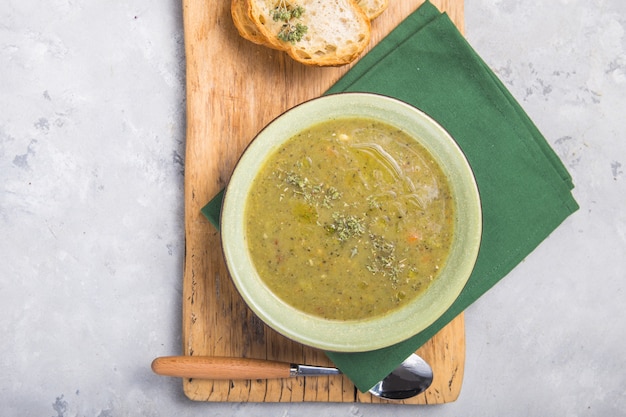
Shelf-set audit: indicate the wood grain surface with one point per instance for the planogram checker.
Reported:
(234, 88)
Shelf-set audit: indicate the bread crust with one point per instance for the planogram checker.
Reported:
(246, 28)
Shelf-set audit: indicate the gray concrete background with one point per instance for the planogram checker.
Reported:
(92, 93)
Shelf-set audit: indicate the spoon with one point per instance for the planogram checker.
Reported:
(410, 378)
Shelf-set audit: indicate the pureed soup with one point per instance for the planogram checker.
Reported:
(349, 219)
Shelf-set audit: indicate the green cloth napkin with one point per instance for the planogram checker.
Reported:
(525, 189)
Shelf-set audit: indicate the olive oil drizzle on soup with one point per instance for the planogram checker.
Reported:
(349, 219)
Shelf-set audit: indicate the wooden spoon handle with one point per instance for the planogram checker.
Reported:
(206, 367)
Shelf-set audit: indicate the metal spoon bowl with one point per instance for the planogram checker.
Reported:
(410, 378)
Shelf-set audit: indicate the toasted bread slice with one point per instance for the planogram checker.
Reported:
(247, 29)
(373, 8)
(337, 30)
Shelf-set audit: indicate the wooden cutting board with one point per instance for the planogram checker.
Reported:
(234, 88)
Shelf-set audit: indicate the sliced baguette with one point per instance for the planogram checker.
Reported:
(338, 30)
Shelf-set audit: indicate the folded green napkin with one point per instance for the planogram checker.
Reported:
(525, 190)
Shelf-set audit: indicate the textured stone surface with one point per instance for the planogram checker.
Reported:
(91, 170)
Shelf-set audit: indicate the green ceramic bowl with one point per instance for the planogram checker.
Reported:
(376, 332)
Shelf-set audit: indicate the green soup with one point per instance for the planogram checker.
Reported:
(349, 219)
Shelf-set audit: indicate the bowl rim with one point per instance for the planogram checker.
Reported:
(354, 335)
